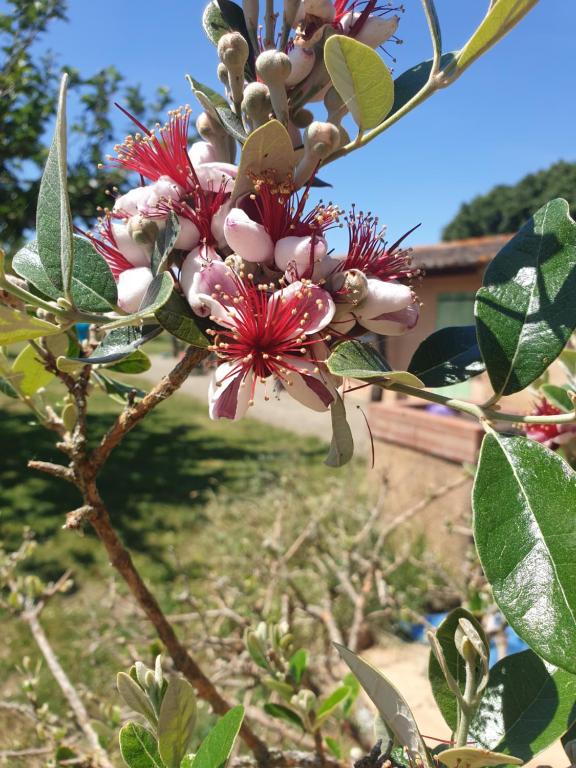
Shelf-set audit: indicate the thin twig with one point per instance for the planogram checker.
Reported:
(56, 470)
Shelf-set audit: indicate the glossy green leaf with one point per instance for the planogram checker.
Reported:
(557, 396)
(407, 85)
(7, 389)
(454, 662)
(501, 17)
(524, 502)
(217, 746)
(525, 312)
(356, 360)
(448, 356)
(135, 697)
(138, 747)
(527, 706)
(470, 757)
(330, 704)
(232, 123)
(391, 705)
(297, 665)
(178, 319)
(361, 78)
(93, 285)
(136, 362)
(280, 712)
(176, 722)
(214, 97)
(53, 216)
(268, 148)
(342, 444)
(29, 367)
(164, 244)
(157, 294)
(16, 326)
(116, 345)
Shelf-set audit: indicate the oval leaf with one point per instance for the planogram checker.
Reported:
(361, 78)
(116, 345)
(356, 360)
(176, 722)
(30, 369)
(280, 712)
(138, 747)
(524, 502)
(179, 320)
(17, 326)
(53, 216)
(525, 313)
(449, 356)
(527, 706)
(467, 757)
(391, 705)
(501, 17)
(407, 85)
(268, 148)
(217, 746)
(342, 445)
(135, 697)
(136, 362)
(557, 396)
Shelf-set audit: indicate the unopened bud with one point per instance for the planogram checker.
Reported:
(222, 74)
(304, 700)
(212, 131)
(302, 118)
(273, 67)
(256, 104)
(320, 141)
(233, 51)
(142, 230)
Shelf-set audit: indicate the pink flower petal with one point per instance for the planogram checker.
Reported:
(393, 323)
(247, 238)
(132, 287)
(136, 254)
(213, 175)
(312, 304)
(298, 254)
(230, 391)
(202, 152)
(302, 60)
(194, 284)
(189, 234)
(383, 297)
(316, 389)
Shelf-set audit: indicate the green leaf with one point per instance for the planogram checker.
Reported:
(116, 345)
(527, 706)
(116, 390)
(213, 96)
(17, 326)
(361, 78)
(217, 746)
(7, 389)
(297, 665)
(356, 360)
(93, 285)
(176, 722)
(268, 148)
(524, 502)
(449, 356)
(557, 396)
(407, 85)
(178, 319)
(454, 662)
(342, 444)
(334, 747)
(280, 712)
(391, 705)
(29, 368)
(53, 216)
(138, 747)
(525, 312)
(164, 245)
(136, 362)
(327, 707)
(157, 294)
(501, 17)
(232, 124)
(135, 697)
(469, 757)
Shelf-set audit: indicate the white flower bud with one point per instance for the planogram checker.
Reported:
(302, 118)
(273, 68)
(320, 141)
(233, 51)
(302, 61)
(256, 104)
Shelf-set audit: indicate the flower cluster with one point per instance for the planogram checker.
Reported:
(257, 265)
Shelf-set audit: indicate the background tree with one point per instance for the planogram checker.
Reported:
(28, 95)
(508, 206)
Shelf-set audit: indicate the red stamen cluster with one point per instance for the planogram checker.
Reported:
(369, 252)
(544, 433)
(281, 211)
(265, 330)
(162, 152)
(107, 247)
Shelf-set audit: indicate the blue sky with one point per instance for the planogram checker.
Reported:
(511, 113)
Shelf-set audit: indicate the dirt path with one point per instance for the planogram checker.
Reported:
(406, 665)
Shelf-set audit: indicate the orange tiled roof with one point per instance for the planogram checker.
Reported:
(458, 254)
